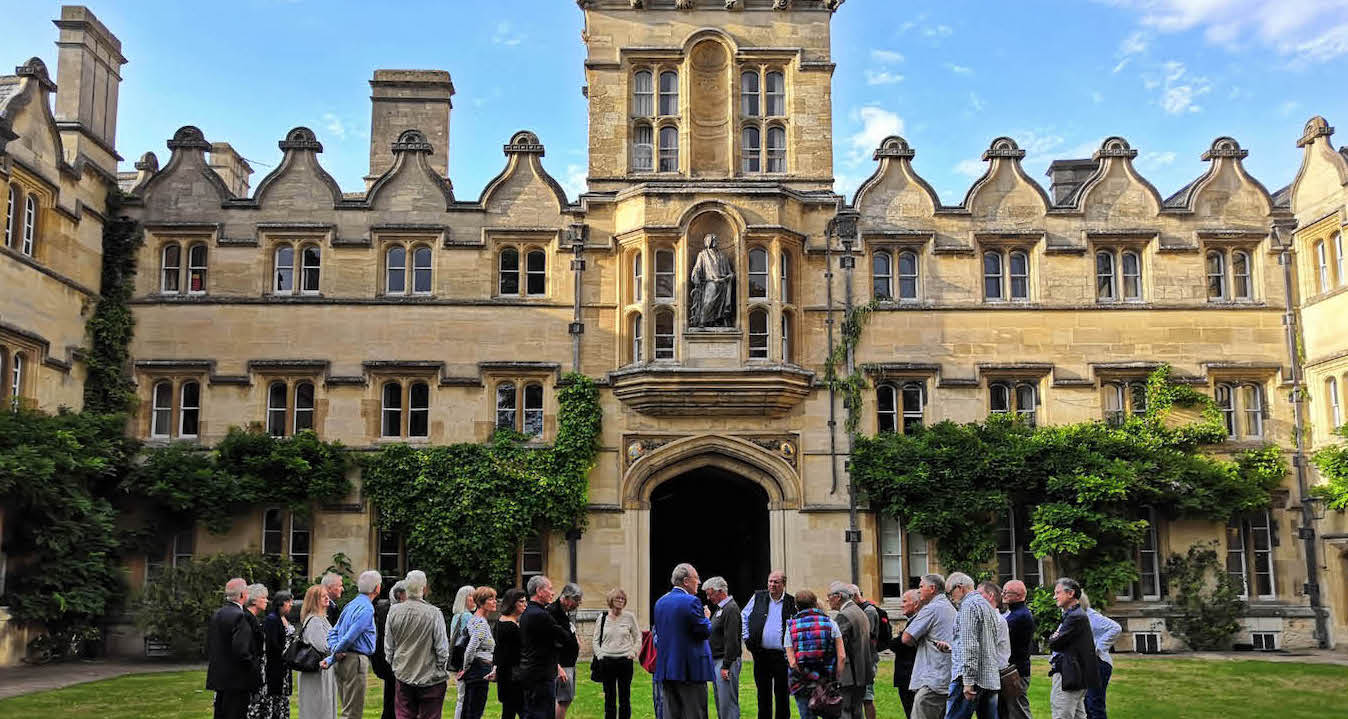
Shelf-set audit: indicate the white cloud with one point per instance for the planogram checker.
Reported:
(959, 69)
(970, 168)
(574, 181)
(334, 126)
(1328, 45)
(937, 31)
(877, 123)
(886, 57)
(882, 77)
(1131, 46)
(1155, 160)
(1179, 89)
(506, 35)
(976, 103)
(1037, 142)
(1282, 25)
(1288, 107)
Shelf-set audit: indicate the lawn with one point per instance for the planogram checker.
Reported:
(1150, 688)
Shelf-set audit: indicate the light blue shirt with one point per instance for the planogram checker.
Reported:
(355, 629)
(1104, 631)
(772, 626)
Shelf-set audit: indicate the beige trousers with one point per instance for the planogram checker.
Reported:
(351, 673)
(929, 703)
(1066, 704)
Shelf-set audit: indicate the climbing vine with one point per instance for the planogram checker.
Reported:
(853, 385)
(464, 509)
(107, 387)
(1332, 461)
(1207, 600)
(1086, 483)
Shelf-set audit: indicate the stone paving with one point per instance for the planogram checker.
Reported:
(27, 679)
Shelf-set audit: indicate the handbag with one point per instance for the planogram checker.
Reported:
(826, 700)
(300, 655)
(598, 665)
(647, 654)
(1011, 686)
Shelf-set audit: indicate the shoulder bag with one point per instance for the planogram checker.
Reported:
(826, 700)
(1011, 686)
(599, 665)
(300, 655)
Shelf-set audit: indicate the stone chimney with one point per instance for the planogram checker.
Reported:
(1066, 176)
(409, 100)
(88, 73)
(231, 167)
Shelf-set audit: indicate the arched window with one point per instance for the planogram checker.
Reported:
(1105, 282)
(643, 94)
(535, 273)
(669, 149)
(882, 275)
(1020, 398)
(1252, 401)
(1322, 265)
(669, 94)
(776, 149)
(636, 276)
(664, 335)
(635, 355)
(785, 259)
(776, 94)
(170, 268)
(161, 408)
(189, 409)
(758, 273)
(29, 224)
(1240, 275)
(1225, 397)
(419, 410)
(1026, 401)
(786, 336)
(1132, 275)
(10, 210)
(509, 272)
(1242, 408)
(311, 260)
(1335, 410)
(1020, 275)
(992, 275)
(664, 274)
(914, 397)
(751, 150)
(886, 408)
(533, 410)
(16, 370)
(304, 406)
(196, 269)
(907, 275)
(505, 405)
(758, 334)
(1340, 259)
(391, 410)
(421, 270)
(1216, 270)
(395, 270)
(643, 148)
(749, 94)
(284, 270)
(276, 409)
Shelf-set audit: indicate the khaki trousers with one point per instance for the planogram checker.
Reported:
(1066, 704)
(929, 703)
(351, 673)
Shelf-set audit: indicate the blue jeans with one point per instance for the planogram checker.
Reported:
(658, 699)
(803, 705)
(1095, 698)
(958, 707)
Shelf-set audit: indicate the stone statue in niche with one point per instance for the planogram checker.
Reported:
(712, 298)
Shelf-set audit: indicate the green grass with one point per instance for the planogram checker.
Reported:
(1152, 688)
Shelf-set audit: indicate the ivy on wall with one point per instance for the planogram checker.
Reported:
(850, 386)
(1085, 481)
(463, 510)
(107, 387)
(1332, 462)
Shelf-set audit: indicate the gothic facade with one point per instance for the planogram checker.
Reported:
(404, 312)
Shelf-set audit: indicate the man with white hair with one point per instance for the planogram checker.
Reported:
(935, 622)
(234, 671)
(975, 669)
(416, 646)
(332, 584)
(857, 671)
(682, 657)
(351, 643)
(726, 647)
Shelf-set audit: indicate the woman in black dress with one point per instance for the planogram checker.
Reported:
(273, 701)
(507, 655)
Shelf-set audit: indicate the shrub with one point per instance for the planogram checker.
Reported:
(1206, 600)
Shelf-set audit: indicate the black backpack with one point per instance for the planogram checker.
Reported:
(459, 648)
(884, 634)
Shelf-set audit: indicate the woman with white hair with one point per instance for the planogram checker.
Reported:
(259, 705)
(464, 606)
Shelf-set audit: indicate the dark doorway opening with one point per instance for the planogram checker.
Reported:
(715, 520)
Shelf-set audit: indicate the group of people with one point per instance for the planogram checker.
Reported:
(964, 650)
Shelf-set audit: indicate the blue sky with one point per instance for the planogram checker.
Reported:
(1058, 76)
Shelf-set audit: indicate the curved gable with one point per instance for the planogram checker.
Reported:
(1005, 195)
(187, 186)
(523, 186)
(895, 191)
(1228, 192)
(300, 182)
(1323, 173)
(1117, 193)
(411, 184)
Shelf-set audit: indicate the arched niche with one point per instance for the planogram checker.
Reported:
(709, 109)
(715, 222)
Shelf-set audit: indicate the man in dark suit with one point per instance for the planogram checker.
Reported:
(857, 670)
(905, 655)
(726, 647)
(682, 658)
(234, 669)
(1074, 665)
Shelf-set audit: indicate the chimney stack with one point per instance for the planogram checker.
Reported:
(88, 73)
(1067, 176)
(409, 100)
(231, 167)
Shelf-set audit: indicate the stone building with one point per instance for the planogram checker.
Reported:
(403, 312)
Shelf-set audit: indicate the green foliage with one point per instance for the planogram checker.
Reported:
(1332, 462)
(1085, 483)
(247, 468)
(58, 475)
(850, 386)
(464, 509)
(1206, 599)
(107, 387)
(1047, 615)
(176, 606)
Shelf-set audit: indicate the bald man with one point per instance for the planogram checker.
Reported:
(1020, 630)
(234, 669)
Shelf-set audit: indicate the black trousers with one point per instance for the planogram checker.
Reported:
(685, 700)
(906, 699)
(540, 699)
(618, 688)
(770, 680)
(511, 697)
(390, 698)
(232, 704)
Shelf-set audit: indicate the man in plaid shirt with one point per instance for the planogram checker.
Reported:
(975, 678)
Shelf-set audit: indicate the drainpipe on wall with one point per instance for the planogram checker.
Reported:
(576, 233)
(832, 396)
(1282, 233)
(847, 233)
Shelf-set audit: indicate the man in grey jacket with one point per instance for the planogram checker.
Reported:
(726, 649)
(857, 670)
(417, 648)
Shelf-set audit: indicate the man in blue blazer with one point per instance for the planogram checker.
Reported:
(682, 657)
